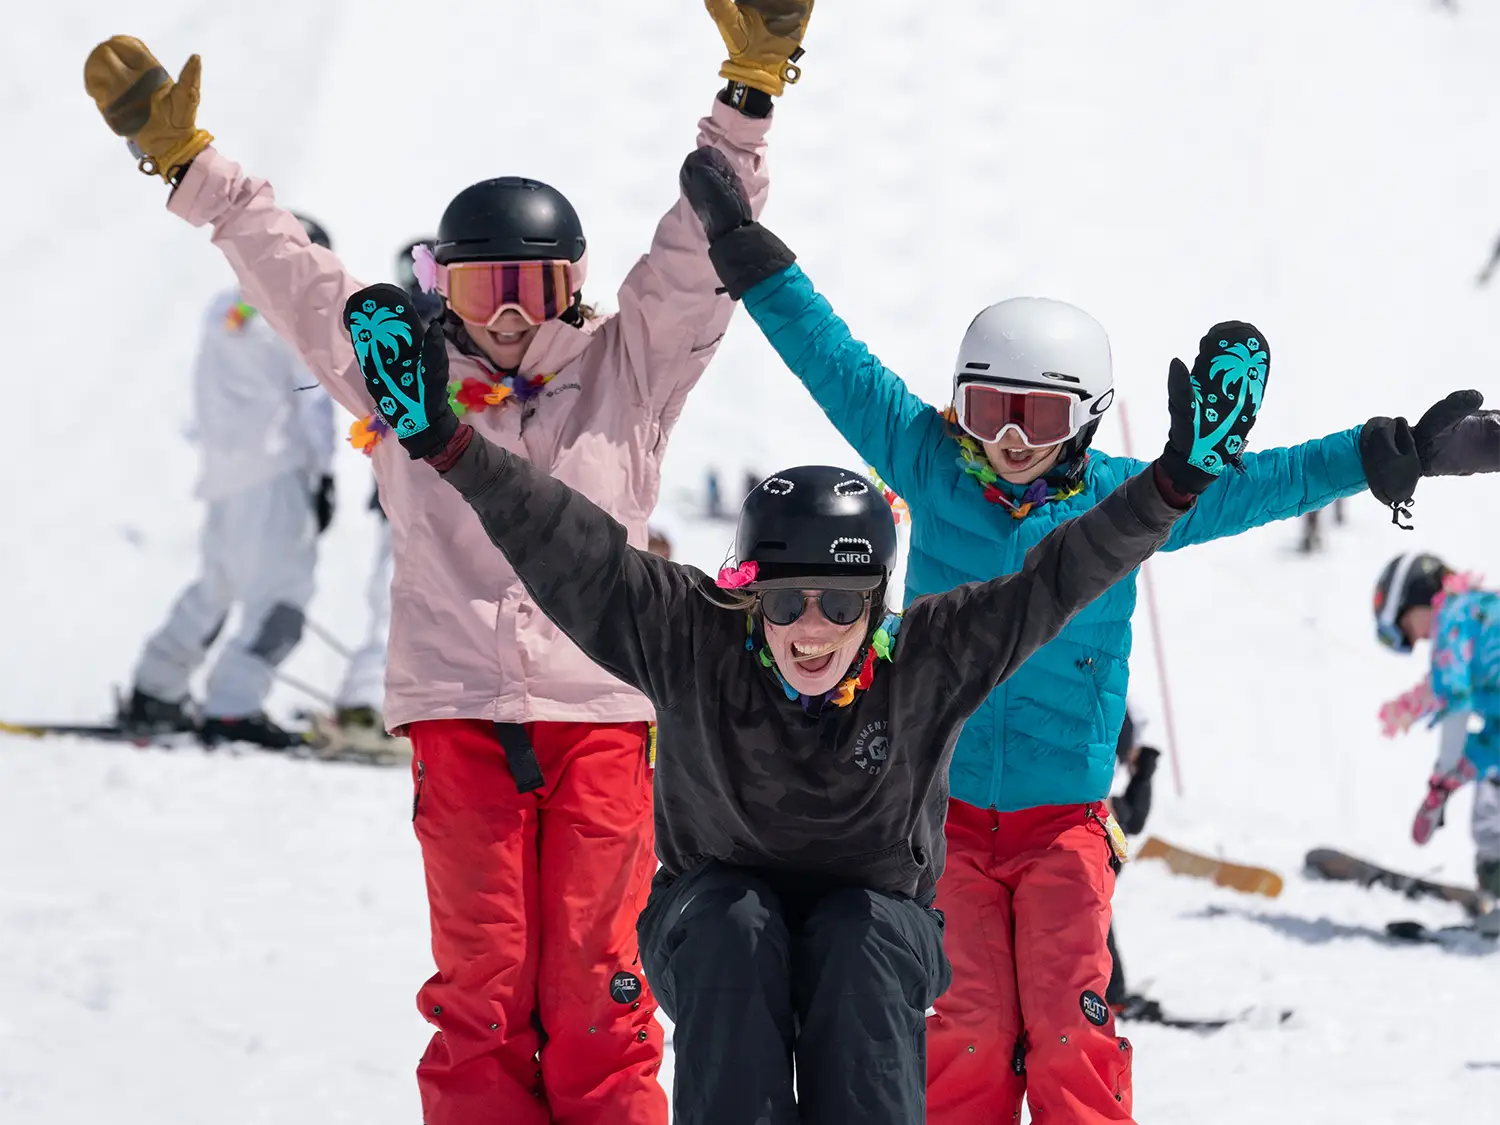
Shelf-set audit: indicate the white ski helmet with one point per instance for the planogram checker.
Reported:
(1034, 344)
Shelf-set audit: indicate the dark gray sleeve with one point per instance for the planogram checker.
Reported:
(1472, 446)
(989, 629)
(631, 612)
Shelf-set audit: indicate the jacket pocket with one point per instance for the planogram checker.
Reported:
(1090, 667)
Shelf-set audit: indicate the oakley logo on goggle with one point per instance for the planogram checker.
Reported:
(778, 486)
(1101, 404)
(843, 550)
(851, 487)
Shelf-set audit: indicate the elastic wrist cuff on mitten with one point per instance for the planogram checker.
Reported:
(746, 256)
(747, 99)
(445, 458)
(1170, 490)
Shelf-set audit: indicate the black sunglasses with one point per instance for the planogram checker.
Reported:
(842, 607)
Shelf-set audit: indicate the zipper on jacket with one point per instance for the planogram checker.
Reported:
(416, 797)
(997, 702)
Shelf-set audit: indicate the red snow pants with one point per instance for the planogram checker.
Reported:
(1026, 898)
(541, 1006)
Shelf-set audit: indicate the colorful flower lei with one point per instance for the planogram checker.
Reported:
(238, 316)
(899, 508)
(464, 396)
(972, 460)
(882, 642)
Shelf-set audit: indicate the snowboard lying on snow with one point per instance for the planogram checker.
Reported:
(1237, 876)
(1326, 863)
(325, 741)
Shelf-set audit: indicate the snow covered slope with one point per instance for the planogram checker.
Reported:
(185, 937)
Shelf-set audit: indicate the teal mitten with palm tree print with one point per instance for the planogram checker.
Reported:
(405, 370)
(1213, 406)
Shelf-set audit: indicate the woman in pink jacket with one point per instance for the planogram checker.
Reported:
(532, 767)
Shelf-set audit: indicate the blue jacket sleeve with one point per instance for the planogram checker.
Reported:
(1277, 484)
(891, 428)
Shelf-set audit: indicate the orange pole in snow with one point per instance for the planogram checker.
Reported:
(1161, 660)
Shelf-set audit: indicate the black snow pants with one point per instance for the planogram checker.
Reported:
(763, 971)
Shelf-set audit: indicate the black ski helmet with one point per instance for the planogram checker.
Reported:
(509, 219)
(1407, 581)
(817, 526)
(315, 232)
(428, 305)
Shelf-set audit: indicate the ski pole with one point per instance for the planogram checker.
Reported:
(1161, 660)
(304, 687)
(328, 638)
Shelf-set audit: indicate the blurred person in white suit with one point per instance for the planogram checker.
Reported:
(264, 431)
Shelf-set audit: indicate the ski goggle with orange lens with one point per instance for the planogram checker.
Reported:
(478, 292)
(1041, 418)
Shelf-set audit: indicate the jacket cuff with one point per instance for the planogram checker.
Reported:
(746, 256)
(445, 458)
(1169, 492)
(475, 467)
(202, 195)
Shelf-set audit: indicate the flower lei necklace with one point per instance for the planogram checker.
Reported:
(879, 648)
(464, 396)
(971, 459)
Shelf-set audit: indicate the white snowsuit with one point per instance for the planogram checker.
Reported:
(265, 431)
(364, 679)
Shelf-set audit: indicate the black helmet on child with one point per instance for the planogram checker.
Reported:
(509, 219)
(1407, 581)
(315, 232)
(428, 305)
(817, 526)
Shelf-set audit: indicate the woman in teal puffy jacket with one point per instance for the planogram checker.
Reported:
(1032, 849)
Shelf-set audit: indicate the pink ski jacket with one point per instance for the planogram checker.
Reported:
(466, 642)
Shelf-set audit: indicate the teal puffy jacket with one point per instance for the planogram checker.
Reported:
(1047, 735)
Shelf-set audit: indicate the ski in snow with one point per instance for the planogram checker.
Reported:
(1140, 1009)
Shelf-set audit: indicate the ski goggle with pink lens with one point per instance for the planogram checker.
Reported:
(478, 292)
(1040, 418)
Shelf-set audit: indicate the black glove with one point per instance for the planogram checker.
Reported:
(1388, 454)
(322, 501)
(1435, 432)
(1213, 407)
(742, 251)
(1145, 763)
(406, 372)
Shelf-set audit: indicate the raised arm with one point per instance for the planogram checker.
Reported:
(631, 612)
(298, 287)
(989, 629)
(891, 428)
(869, 404)
(672, 311)
(1276, 484)
(1454, 437)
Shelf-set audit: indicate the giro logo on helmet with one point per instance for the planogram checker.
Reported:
(847, 550)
